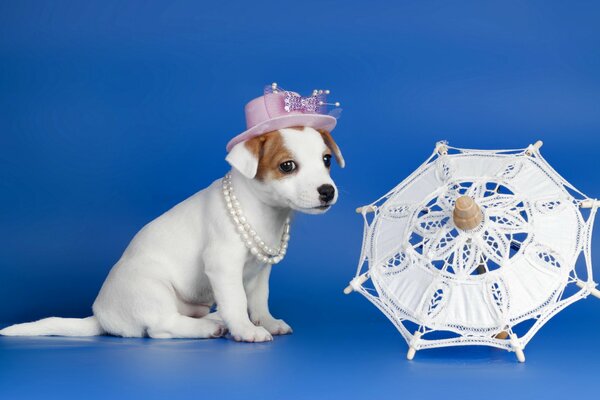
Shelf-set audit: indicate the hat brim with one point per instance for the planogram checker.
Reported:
(316, 121)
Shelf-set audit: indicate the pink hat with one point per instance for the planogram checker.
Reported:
(278, 109)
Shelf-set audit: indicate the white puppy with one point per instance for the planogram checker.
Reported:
(180, 264)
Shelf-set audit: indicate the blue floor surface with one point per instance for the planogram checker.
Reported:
(343, 355)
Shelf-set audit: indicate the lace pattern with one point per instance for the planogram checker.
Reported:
(512, 273)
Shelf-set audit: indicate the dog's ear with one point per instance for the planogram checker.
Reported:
(333, 147)
(244, 156)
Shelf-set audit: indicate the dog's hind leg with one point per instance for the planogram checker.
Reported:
(150, 310)
(193, 310)
(183, 327)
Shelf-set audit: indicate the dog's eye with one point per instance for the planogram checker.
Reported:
(327, 160)
(287, 166)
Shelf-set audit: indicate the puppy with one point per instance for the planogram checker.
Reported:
(182, 263)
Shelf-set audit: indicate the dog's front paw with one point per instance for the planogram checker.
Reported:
(251, 333)
(274, 326)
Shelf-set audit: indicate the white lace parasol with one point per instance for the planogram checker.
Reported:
(477, 247)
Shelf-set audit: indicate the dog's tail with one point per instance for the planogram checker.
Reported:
(55, 326)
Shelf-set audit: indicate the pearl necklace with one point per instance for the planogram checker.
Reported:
(252, 241)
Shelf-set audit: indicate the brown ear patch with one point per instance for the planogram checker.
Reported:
(254, 145)
(270, 151)
(329, 142)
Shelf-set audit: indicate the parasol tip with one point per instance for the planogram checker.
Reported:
(356, 283)
(517, 348)
(366, 209)
(412, 348)
(467, 214)
(520, 355)
(534, 147)
(589, 286)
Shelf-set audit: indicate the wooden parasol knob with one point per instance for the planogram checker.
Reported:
(467, 214)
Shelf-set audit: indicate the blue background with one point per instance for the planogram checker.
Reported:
(112, 112)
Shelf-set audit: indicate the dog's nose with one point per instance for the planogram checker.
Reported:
(326, 193)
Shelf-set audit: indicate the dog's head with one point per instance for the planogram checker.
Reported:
(290, 167)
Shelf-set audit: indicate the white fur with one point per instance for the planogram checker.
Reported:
(243, 160)
(178, 265)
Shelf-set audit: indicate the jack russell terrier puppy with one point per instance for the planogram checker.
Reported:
(218, 245)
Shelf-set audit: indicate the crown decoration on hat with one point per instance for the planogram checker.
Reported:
(316, 103)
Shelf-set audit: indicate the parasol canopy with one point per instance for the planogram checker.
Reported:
(477, 247)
